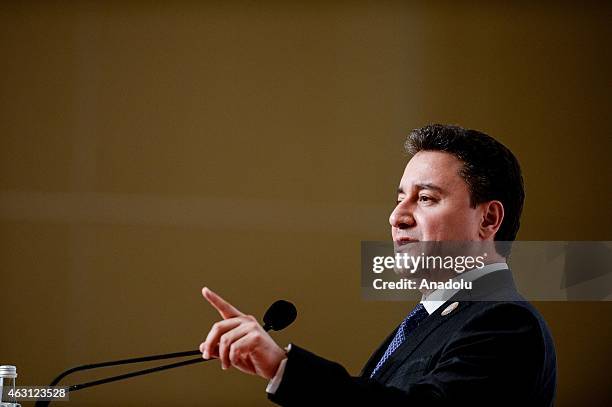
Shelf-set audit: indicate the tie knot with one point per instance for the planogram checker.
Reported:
(418, 314)
(418, 310)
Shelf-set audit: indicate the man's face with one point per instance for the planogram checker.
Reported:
(433, 202)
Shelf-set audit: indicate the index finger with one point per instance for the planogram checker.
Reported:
(224, 308)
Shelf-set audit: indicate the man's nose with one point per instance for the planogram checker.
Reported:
(401, 217)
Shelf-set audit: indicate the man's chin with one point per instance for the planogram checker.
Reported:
(413, 275)
(413, 248)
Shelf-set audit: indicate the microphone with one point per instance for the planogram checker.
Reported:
(279, 315)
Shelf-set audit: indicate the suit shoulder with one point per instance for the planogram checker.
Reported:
(508, 312)
(519, 317)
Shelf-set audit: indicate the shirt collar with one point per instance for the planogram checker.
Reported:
(436, 298)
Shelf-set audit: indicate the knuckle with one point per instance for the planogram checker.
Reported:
(234, 355)
(224, 341)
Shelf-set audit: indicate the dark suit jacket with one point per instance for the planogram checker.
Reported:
(484, 352)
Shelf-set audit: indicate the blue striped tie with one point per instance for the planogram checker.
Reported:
(418, 314)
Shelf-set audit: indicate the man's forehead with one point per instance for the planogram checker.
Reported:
(432, 170)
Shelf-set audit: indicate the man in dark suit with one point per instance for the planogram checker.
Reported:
(484, 346)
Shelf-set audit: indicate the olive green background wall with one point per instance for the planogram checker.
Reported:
(148, 150)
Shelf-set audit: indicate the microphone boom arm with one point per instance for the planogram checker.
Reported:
(123, 362)
(280, 315)
(76, 387)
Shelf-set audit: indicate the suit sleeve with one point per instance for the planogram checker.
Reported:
(494, 359)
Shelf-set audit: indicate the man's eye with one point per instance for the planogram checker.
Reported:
(425, 198)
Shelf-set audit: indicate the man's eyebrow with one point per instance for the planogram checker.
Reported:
(424, 185)
(429, 185)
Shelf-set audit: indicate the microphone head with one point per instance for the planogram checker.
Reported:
(280, 315)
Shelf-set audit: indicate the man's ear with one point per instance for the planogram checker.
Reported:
(492, 217)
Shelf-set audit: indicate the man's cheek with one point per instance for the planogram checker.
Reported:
(439, 231)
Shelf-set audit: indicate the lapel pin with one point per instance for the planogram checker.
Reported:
(450, 308)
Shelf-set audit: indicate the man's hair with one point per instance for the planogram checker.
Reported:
(490, 170)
